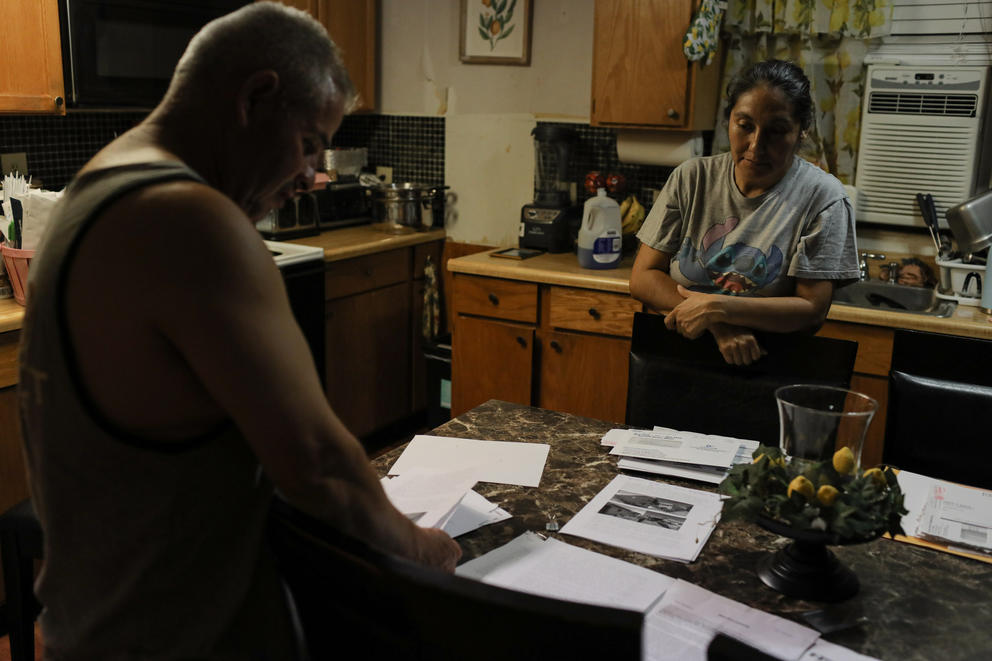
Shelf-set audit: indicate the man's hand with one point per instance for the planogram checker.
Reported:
(737, 344)
(694, 316)
(437, 549)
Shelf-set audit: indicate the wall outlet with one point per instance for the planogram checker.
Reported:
(17, 162)
(385, 174)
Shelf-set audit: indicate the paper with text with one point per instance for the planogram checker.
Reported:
(553, 568)
(678, 447)
(649, 517)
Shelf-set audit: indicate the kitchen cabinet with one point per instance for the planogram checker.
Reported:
(31, 53)
(640, 77)
(561, 348)
(871, 376)
(352, 26)
(374, 363)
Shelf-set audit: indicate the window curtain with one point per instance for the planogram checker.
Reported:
(829, 40)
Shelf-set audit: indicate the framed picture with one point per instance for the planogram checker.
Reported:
(495, 31)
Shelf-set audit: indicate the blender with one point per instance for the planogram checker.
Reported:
(546, 223)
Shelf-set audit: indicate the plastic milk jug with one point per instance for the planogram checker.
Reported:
(599, 237)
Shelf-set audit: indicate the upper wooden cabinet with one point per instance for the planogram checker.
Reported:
(352, 26)
(31, 57)
(640, 77)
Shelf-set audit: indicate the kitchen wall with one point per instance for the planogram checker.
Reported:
(489, 110)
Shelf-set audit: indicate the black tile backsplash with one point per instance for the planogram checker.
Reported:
(57, 147)
(412, 146)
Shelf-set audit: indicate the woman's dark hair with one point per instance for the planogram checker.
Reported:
(786, 76)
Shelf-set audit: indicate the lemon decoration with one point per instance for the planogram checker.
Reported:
(827, 494)
(844, 460)
(876, 476)
(801, 485)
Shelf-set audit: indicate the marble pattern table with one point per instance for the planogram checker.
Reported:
(919, 603)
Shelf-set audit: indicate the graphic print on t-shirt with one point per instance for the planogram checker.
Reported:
(735, 269)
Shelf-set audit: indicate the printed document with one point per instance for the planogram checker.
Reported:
(677, 446)
(685, 620)
(710, 474)
(504, 462)
(946, 512)
(650, 517)
(553, 568)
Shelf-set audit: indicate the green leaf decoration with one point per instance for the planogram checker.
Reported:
(862, 509)
(483, 34)
(482, 21)
(506, 32)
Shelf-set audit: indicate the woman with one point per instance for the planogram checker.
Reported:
(754, 239)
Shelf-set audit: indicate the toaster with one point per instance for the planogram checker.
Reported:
(298, 217)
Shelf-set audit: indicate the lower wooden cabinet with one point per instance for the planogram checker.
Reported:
(560, 348)
(584, 374)
(490, 360)
(374, 358)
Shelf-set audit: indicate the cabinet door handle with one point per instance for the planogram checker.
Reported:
(594, 313)
(672, 113)
(556, 346)
(494, 299)
(59, 101)
(522, 342)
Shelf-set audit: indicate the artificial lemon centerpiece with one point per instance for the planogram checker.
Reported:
(831, 496)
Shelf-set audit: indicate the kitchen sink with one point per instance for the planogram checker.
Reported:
(877, 295)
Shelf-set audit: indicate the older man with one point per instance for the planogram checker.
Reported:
(165, 384)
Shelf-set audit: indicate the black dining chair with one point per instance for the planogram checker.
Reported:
(20, 545)
(392, 608)
(686, 384)
(940, 390)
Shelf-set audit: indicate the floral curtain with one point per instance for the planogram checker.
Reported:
(829, 40)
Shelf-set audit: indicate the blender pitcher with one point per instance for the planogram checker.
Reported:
(552, 149)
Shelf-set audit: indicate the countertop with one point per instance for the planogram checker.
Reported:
(349, 242)
(337, 244)
(919, 603)
(563, 269)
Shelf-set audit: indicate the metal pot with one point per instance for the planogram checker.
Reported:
(408, 205)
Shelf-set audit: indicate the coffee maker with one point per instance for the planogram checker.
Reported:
(546, 223)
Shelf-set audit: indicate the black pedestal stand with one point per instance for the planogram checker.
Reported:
(808, 570)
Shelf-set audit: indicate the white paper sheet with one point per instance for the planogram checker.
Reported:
(428, 497)
(474, 511)
(504, 462)
(553, 568)
(946, 512)
(649, 517)
(676, 446)
(687, 617)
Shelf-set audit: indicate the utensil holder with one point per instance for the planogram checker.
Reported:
(961, 282)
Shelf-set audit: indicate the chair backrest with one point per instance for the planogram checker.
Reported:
(686, 384)
(346, 591)
(940, 390)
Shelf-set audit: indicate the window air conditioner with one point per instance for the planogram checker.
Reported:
(922, 131)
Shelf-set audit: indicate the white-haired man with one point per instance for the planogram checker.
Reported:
(165, 385)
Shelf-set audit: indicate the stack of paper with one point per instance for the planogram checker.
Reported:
(680, 618)
(947, 513)
(689, 455)
(552, 568)
(650, 517)
(433, 479)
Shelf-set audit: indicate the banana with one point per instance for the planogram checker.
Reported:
(625, 206)
(633, 216)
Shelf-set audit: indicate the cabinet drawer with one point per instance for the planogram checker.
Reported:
(353, 276)
(592, 311)
(492, 297)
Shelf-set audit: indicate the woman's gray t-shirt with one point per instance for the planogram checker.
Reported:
(722, 242)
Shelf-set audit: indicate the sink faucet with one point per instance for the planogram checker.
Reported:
(893, 272)
(863, 264)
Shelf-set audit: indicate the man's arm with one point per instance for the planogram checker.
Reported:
(221, 302)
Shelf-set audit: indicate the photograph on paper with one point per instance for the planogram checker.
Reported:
(650, 510)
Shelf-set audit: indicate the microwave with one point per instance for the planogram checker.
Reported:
(122, 53)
